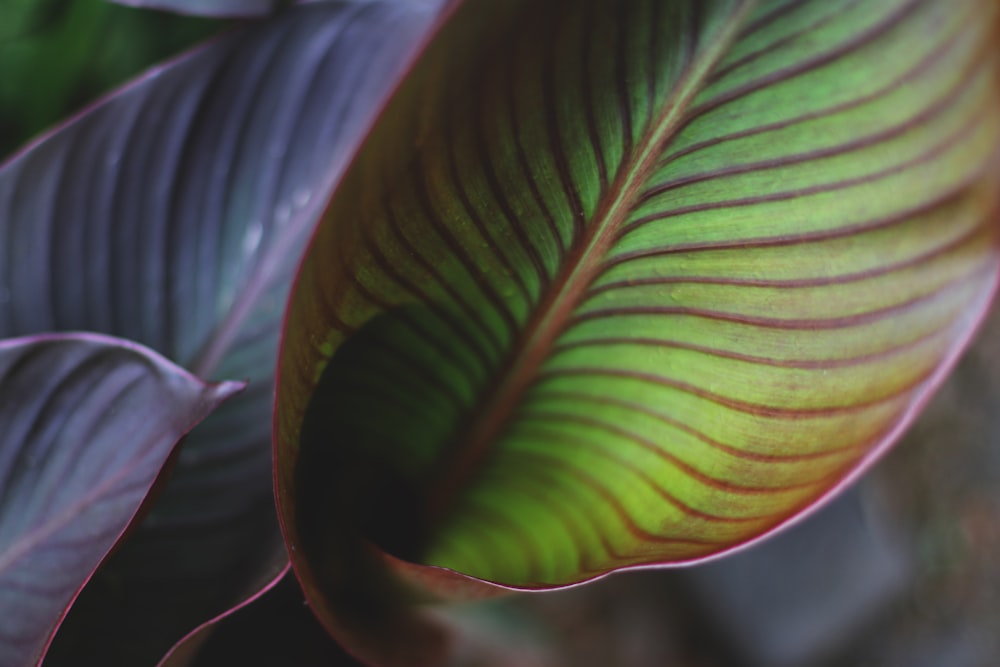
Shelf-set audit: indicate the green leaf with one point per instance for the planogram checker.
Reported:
(615, 284)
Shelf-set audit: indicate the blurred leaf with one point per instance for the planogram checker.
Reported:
(86, 424)
(208, 7)
(614, 284)
(173, 214)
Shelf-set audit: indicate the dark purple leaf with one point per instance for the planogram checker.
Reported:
(173, 213)
(86, 424)
(184, 651)
(278, 629)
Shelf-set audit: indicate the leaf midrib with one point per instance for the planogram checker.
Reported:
(581, 267)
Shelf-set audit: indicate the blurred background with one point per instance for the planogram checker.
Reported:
(904, 570)
(57, 55)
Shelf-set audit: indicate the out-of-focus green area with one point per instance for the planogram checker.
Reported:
(58, 55)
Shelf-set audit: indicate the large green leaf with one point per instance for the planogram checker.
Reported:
(617, 283)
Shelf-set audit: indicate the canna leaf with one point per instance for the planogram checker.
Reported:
(173, 213)
(86, 424)
(625, 283)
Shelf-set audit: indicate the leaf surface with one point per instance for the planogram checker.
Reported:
(87, 422)
(173, 213)
(616, 284)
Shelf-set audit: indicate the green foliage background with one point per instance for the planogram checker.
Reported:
(58, 55)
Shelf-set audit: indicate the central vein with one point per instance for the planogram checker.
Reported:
(582, 265)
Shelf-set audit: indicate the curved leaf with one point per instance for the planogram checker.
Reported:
(188, 647)
(86, 424)
(173, 213)
(277, 629)
(617, 284)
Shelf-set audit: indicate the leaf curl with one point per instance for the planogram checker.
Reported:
(87, 423)
(637, 283)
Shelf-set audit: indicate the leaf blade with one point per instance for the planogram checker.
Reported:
(694, 305)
